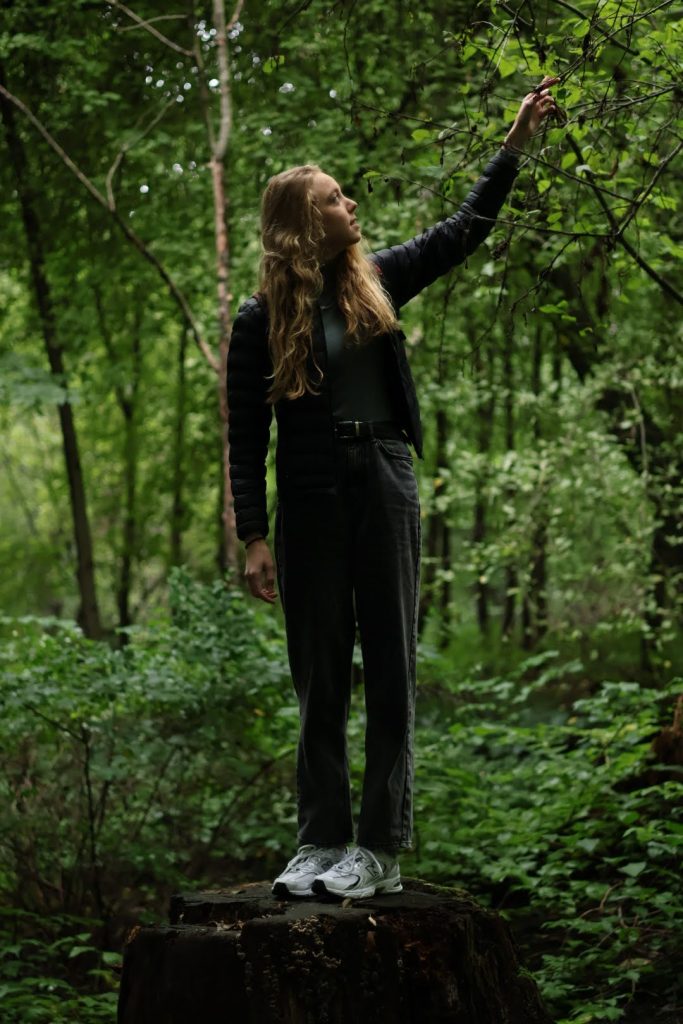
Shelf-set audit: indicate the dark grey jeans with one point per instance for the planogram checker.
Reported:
(344, 558)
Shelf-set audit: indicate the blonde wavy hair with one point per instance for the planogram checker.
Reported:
(290, 280)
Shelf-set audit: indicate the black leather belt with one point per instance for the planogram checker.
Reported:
(356, 429)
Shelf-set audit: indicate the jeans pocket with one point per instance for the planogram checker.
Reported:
(395, 449)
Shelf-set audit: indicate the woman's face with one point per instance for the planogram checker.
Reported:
(341, 228)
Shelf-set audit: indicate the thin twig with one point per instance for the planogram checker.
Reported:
(127, 146)
(617, 234)
(148, 21)
(592, 50)
(148, 27)
(636, 206)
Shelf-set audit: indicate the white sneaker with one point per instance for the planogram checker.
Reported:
(360, 874)
(309, 861)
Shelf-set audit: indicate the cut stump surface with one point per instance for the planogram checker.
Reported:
(427, 955)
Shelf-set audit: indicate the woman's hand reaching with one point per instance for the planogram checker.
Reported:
(536, 105)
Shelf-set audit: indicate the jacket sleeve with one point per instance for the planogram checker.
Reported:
(407, 268)
(249, 419)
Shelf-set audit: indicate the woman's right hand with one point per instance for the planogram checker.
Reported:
(260, 571)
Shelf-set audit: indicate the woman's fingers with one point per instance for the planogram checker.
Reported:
(260, 576)
(268, 592)
(544, 88)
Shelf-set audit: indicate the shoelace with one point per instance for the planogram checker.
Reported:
(352, 858)
(300, 860)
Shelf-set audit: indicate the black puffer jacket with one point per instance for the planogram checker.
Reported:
(305, 456)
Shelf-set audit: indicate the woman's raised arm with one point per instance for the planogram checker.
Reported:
(409, 267)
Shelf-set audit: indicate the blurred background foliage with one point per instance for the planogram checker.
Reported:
(156, 750)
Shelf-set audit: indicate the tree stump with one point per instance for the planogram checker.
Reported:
(428, 955)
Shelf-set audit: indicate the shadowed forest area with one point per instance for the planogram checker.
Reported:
(148, 723)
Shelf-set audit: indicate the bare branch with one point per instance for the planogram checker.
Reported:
(610, 37)
(127, 231)
(617, 230)
(585, 17)
(641, 199)
(148, 21)
(617, 105)
(127, 146)
(235, 16)
(141, 23)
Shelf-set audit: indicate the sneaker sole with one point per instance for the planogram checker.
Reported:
(382, 888)
(281, 892)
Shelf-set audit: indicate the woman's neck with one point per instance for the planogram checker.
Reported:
(330, 267)
(329, 276)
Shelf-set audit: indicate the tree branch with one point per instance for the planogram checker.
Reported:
(127, 231)
(127, 146)
(148, 21)
(147, 25)
(592, 49)
(617, 230)
(235, 16)
(636, 205)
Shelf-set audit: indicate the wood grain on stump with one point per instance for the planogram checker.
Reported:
(428, 955)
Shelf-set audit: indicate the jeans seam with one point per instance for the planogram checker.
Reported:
(412, 670)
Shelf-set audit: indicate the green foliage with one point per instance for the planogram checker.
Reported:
(137, 764)
(551, 365)
(52, 972)
(565, 821)
(170, 765)
(412, 109)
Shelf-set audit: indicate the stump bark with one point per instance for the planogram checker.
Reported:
(428, 955)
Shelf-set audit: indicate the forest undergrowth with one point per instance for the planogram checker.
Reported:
(169, 764)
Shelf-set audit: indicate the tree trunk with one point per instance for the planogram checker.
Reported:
(443, 541)
(651, 452)
(127, 399)
(428, 955)
(178, 502)
(485, 412)
(438, 547)
(129, 539)
(509, 419)
(228, 548)
(534, 606)
(88, 615)
(437, 553)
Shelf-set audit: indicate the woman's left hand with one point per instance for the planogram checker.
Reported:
(534, 107)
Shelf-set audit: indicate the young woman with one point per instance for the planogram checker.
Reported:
(321, 345)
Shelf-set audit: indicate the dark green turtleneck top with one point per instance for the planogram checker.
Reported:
(357, 373)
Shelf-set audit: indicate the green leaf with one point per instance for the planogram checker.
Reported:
(77, 950)
(272, 63)
(634, 869)
(506, 67)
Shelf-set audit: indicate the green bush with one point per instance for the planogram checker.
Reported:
(170, 764)
(52, 971)
(147, 766)
(568, 826)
